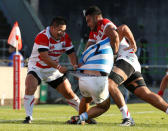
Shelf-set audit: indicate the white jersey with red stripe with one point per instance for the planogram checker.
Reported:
(55, 48)
(127, 55)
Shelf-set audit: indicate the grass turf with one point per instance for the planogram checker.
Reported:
(53, 118)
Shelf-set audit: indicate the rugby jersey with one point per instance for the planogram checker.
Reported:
(55, 48)
(98, 57)
(96, 36)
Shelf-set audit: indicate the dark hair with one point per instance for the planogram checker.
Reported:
(58, 20)
(93, 10)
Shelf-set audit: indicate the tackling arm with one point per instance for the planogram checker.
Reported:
(114, 38)
(73, 60)
(124, 31)
(46, 58)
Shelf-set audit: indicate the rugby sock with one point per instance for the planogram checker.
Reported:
(167, 111)
(84, 116)
(125, 112)
(28, 104)
(74, 102)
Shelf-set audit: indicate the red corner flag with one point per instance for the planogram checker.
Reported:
(15, 37)
(16, 41)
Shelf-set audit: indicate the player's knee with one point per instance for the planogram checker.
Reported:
(68, 94)
(30, 90)
(86, 99)
(105, 105)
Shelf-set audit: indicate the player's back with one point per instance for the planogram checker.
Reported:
(98, 57)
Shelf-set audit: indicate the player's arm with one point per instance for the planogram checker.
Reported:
(114, 38)
(163, 85)
(124, 31)
(73, 58)
(46, 58)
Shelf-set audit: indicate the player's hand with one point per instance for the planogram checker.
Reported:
(160, 93)
(133, 47)
(63, 69)
(80, 64)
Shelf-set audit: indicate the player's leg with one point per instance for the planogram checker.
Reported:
(84, 107)
(154, 99)
(138, 87)
(31, 82)
(93, 112)
(99, 109)
(63, 86)
(97, 88)
(121, 71)
(84, 104)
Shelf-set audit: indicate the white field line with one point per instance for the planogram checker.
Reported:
(144, 112)
(63, 117)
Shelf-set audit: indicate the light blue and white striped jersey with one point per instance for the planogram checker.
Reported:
(98, 57)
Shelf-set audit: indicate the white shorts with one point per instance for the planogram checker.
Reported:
(131, 58)
(95, 87)
(46, 75)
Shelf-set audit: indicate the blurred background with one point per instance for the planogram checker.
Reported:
(148, 21)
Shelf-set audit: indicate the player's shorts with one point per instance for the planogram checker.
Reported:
(95, 87)
(129, 57)
(48, 75)
(125, 67)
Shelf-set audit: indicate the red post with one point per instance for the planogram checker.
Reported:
(16, 82)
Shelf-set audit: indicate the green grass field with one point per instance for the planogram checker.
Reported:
(53, 117)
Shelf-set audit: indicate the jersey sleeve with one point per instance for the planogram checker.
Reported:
(42, 41)
(91, 37)
(68, 43)
(107, 22)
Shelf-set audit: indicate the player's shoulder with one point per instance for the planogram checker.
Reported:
(43, 33)
(105, 21)
(67, 37)
(42, 37)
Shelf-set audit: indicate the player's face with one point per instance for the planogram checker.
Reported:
(91, 22)
(58, 31)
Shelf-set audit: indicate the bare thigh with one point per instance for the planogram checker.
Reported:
(65, 89)
(31, 84)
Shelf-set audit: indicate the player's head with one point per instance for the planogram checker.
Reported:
(93, 14)
(58, 27)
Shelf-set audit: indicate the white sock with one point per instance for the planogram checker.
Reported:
(167, 111)
(28, 104)
(74, 102)
(125, 112)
